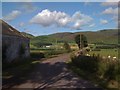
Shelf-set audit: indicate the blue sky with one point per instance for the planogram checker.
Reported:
(40, 18)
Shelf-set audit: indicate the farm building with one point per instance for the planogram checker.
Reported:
(15, 46)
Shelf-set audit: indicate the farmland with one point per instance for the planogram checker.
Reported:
(102, 42)
(106, 52)
(58, 49)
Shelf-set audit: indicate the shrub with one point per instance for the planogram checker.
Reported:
(72, 56)
(118, 68)
(86, 63)
(110, 72)
(104, 71)
(101, 69)
(88, 49)
(37, 55)
(67, 47)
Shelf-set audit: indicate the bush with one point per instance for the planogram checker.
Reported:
(118, 68)
(110, 72)
(104, 71)
(67, 47)
(72, 56)
(37, 55)
(86, 63)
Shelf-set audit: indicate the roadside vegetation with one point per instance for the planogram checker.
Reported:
(102, 71)
(99, 65)
(20, 68)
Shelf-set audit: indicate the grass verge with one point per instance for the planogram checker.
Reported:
(19, 68)
(107, 78)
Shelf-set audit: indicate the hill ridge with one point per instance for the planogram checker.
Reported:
(101, 36)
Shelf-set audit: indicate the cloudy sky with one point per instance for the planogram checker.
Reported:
(40, 18)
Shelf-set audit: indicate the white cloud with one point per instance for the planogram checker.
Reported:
(61, 19)
(77, 25)
(103, 21)
(109, 3)
(84, 18)
(47, 18)
(92, 25)
(11, 16)
(110, 10)
(80, 20)
(113, 12)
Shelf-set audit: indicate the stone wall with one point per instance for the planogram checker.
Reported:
(14, 48)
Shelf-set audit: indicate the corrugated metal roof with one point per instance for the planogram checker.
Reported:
(9, 30)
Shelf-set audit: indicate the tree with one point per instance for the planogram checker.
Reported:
(67, 46)
(81, 41)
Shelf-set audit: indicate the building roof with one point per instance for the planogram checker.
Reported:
(9, 30)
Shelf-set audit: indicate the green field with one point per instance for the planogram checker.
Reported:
(106, 52)
(47, 52)
(108, 36)
(58, 48)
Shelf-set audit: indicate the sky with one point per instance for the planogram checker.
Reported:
(43, 18)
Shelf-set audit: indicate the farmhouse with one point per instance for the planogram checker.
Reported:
(15, 46)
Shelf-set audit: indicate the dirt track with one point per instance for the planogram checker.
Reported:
(53, 73)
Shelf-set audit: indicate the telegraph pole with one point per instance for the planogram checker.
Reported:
(80, 41)
(56, 44)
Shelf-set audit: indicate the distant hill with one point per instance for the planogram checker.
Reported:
(27, 35)
(101, 36)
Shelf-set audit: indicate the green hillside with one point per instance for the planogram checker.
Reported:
(101, 36)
